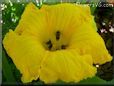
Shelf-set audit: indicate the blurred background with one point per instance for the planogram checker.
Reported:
(11, 11)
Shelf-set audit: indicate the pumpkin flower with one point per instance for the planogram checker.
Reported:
(56, 42)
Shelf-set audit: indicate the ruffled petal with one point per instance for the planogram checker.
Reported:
(33, 22)
(66, 18)
(26, 53)
(78, 30)
(88, 41)
(66, 66)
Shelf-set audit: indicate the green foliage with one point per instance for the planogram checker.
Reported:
(94, 80)
(89, 81)
(10, 73)
(7, 72)
(11, 12)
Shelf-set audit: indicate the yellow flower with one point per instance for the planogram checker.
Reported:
(56, 42)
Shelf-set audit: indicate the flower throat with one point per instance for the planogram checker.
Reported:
(52, 47)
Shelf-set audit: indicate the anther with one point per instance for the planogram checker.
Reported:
(57, 35)
(49, 44)
(63, 47)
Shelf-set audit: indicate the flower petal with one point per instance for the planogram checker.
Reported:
(26, 53)
(65, 66)
(88, 41)
(66, 18)
(78, 30)
(32, 22)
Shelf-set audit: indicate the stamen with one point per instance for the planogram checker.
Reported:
(49, 44)
(57, 35)
(63, 47)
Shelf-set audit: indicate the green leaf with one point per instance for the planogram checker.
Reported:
(92, 10)
(93, 5)
(7, 69)
(82, 1)
(94, 80)
(111, 82)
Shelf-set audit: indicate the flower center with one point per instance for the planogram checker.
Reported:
(57, 44)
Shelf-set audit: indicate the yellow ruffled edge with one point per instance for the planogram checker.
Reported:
(27, 11)
(23, 68)
(87, 60)
(53, 77)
